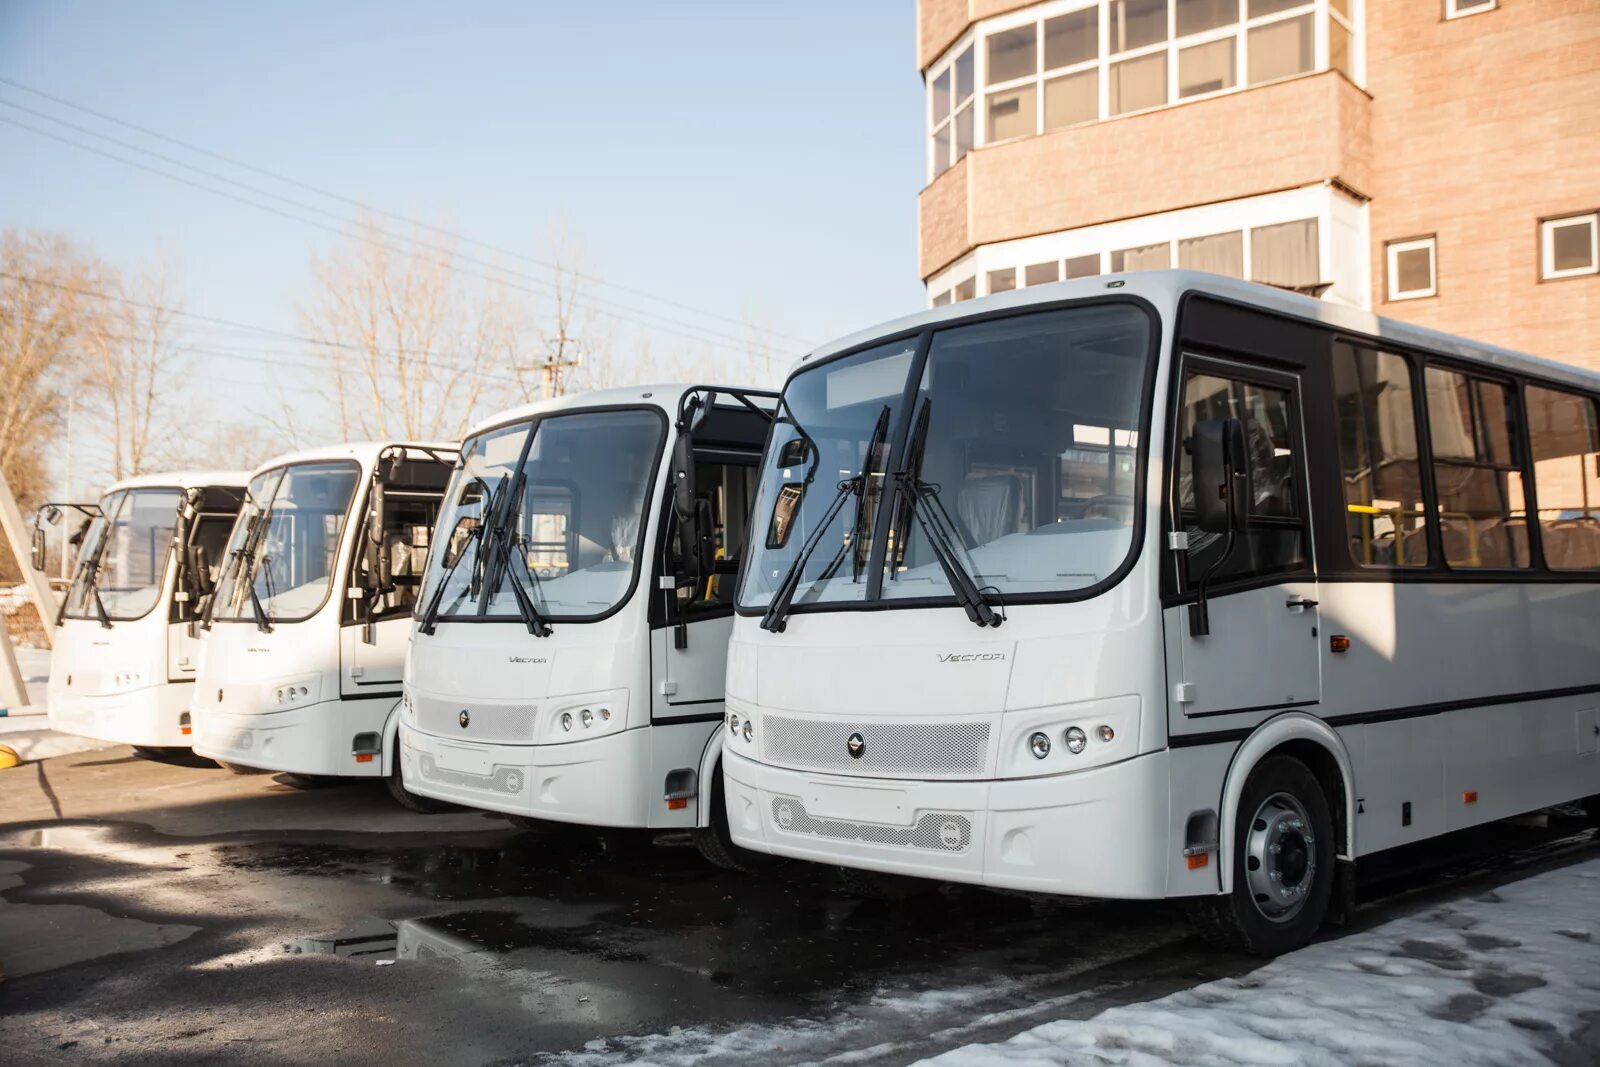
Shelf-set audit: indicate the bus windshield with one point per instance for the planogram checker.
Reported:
(285, 544)
(555, 508)
(1017, 464)
(123, 560)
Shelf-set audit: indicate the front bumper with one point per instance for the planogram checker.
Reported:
(148, 717)
(605, 781)
(1102, 832)
(314, 739)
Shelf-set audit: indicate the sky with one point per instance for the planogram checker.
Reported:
(759, 162)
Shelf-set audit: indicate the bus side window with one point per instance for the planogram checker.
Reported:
(1483, 517)
(1386, 522)
(1564, 431)
(729, 488)
(1275, 541)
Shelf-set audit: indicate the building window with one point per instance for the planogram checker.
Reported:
(1221, 253)
(1455, 9)
(950, 112)
(1413, 272)
(1385, 519)
(1569, 246)
(1083, 266)
(1146, 257)
(966, 290)
(1564, 433)
(1042, 273)
(1286, 255)
(1003, 281)
(941, 299)
(1483, 520)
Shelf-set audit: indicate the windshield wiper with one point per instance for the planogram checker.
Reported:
(92, 580)
(938, 527)
(777, 616)
(500, 549)
(428, 622)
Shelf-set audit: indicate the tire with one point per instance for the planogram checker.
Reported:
(1592, 806)
(1280, 898)
(156, 752)
(239, 768)
(714, 842)
(407, 799)
(308, 781)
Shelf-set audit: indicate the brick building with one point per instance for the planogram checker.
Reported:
(1433, 160)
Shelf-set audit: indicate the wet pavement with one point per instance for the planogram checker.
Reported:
(173, 913)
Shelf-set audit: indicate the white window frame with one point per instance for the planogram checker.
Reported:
(947, 65)
(1460, 9)
(1547, 246)
(1391, 254)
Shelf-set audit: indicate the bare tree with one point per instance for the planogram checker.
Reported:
(411, 345)
(134, 362)
(572, 344)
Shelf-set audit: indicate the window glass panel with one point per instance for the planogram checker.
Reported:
(122, 561)
(1259, 8)
(1083, 266)
(1136, 23)
(1482, 517)
(1012, 54)
(1043, 273)
(1274, 540)
(1150, 257)
(1206, 68)
(1385, 519)
(1339, 49)
(963, 69)
(1139, 83)
(1341, 6)
(1013, 113)
(1035, 489)
(939, 149)
(1572, 244)
(1001, 281)
(1072, 38)
(963, 125)
(967, 290)
(1413, 269)
(1221, 253)
(1281, 49)
(1197, 16)
(1564, 432)
(1285, 254)
(941, 299)
(941, 97)
(1071, 100)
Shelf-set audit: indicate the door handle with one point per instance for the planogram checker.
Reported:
(1296, 602)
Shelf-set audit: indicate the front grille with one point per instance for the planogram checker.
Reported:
(937, 831)
(512, 723)
(952, 749)
(511, 781)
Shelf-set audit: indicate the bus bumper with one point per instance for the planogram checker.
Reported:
(1102, 832)
(148, 717)
(600, 782)
(315, 739)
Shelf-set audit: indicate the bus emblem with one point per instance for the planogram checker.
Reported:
(465, 719)
(856, 745)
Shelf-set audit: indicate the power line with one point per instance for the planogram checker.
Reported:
(443, 231)
(710, 338)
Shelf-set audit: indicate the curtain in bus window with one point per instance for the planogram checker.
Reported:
(1482, 516)
(1275, 539)
(1285, 255)
(1564, 433)
(1378, 446)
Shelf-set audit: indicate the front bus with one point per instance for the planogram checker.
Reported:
(1149, 586)
(123, 655)
(306, 634)
(571, 639)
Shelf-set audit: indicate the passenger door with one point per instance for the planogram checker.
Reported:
(692, 627)
(378, 666)
(210, 536)
(1261, 655)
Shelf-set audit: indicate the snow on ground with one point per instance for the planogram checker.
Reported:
(1508, 977)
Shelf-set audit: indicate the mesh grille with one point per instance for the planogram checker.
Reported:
(487, 722)
(957, 749)
(937, 831)
(510, 781)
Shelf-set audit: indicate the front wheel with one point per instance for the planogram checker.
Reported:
(163, 752)
(1283, 864)
(407, 799)
(239, 768)
(715, 842)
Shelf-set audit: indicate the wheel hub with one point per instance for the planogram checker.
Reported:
(1280, 857)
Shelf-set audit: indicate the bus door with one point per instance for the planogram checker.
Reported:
(376, 626)
(1261, 654)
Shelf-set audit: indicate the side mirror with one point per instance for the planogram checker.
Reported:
(683, 494)
(1221, 462)
(377, 519)
(36, 543)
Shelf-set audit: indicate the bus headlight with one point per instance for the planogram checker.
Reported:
(1075, 738)
(748, 731)
(581, 717)
(1039, 745)
(566, 721)
(1066, 738)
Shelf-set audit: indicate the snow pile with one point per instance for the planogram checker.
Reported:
(1508, 977)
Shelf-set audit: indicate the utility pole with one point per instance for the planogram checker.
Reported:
(556, 365)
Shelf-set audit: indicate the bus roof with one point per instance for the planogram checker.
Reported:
(364, 452)
(664, 396)
(1165, 288)
(184, 479)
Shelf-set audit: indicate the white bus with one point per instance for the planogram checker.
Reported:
(300, 667)
(122, 664)
(1164, 585)
(572, 634)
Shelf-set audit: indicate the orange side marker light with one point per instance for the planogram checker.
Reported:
(1339, 643)
(1198, 860)
(677, 803)
(1469, 797)
(363, 757)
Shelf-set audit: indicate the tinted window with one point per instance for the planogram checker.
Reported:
(1385, 516)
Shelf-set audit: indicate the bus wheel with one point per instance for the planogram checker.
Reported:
(158, 753)
(407, 799)
(308, 781)
(1283, 864)
(239, 768)
(715, 842)
(1592, 806)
